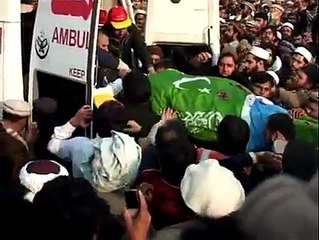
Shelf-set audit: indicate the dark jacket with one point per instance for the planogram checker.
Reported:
(123, 48)
(107, 68)
(302, 22)
(182, 55)
(142, 113)
(243, 78)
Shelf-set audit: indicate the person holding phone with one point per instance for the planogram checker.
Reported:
(136, 216)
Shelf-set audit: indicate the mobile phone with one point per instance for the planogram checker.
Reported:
(279, 146)
(132, 199)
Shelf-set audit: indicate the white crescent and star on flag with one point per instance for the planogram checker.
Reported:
(178, 84)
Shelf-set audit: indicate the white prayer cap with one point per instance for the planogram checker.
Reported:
(140, 11)
(211, 190)
(274, 76)
(287, 24)
(260, 53)
(222, 20)
(35, 174)
(232, 17)
(304, 52)
(290, 3)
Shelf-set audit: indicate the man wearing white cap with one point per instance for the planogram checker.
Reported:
(286, 30)
(140, 20)
(211, 190)
(35, 174)
(257, 60)
(301, 58)
(264, 84)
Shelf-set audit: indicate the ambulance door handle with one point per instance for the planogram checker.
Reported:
(209, 35)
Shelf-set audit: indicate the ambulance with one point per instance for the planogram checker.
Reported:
(63, 49)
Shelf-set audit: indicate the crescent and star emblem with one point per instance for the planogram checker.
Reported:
(178, 84)
(42, 45)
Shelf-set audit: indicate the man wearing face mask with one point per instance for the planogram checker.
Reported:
(280, 129)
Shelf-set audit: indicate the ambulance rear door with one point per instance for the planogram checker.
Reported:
(63, 53)
(183, 22)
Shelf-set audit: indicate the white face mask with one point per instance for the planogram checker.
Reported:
(279, 146)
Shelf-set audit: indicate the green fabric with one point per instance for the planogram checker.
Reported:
(307, 129)
(202, 102)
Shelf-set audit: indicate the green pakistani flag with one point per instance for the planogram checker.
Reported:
(307, 129)
(202, 102)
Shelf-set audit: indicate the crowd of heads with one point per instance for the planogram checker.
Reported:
(56, 185)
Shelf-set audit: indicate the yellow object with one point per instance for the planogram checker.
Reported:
(102, 95)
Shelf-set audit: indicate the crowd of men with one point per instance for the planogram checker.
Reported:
(249, 172)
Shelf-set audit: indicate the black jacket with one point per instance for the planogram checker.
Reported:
(142, 113)
(302, 22)
(123, 48)
(107, 64)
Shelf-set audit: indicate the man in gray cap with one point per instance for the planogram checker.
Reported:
(247, 10)
(15, 118)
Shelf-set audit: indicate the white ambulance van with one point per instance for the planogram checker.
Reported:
(62, 62)
(184, 22)
(63, 52)
(11, 84)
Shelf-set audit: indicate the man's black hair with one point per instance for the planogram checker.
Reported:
(176, 152)
(233, 135)
(261, 15)
(262, 78)
(164, 63)
(205, 228)
(17, 216)
(136, 87)
(282, 123)
(300, 159)
(68, 208)
(109, 116)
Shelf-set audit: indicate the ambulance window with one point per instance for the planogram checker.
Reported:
(175, 1)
